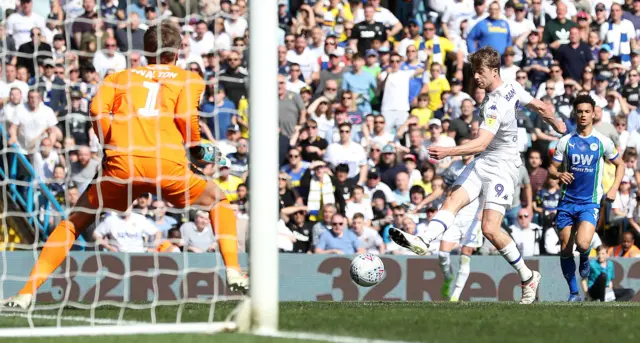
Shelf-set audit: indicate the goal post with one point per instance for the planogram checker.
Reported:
(263, 167)
(94, 293)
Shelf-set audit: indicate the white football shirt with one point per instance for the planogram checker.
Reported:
(498, 112)
(127, 234)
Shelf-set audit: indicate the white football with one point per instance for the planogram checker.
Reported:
(367, 270)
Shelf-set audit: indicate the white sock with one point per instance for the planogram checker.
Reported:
(439, 224)
(463, 275)
(445, 264)
(513, 256)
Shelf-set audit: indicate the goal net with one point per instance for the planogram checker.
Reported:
(155, 268)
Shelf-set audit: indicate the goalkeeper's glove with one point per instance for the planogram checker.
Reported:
(206, 153)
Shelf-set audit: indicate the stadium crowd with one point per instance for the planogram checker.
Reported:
(365, 87)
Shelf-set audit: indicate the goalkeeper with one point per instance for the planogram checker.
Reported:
(144, 117)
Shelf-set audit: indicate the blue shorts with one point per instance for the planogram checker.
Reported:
(573, 214)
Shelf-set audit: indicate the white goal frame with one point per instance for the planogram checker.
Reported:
(259, 312)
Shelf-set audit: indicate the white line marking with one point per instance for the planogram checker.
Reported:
(322, 337)
(103, 321)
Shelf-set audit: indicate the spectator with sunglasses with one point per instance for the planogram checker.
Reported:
(234, 77)
(314, 146)
(527, 235)
(340, 240)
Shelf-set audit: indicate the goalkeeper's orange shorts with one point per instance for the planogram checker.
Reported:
(124, 179)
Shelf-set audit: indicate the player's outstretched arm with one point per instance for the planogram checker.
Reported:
(472, 147)
(547, 112)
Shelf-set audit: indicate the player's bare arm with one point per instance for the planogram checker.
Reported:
(472, 147)
(548, 115)
(611, 194)
(554, 172)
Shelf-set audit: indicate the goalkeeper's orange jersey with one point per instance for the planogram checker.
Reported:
(149, 111)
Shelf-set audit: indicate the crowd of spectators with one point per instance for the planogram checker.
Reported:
(364, 86)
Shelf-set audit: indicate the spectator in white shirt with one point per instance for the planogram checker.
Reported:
(236, 25)
(370, 238)
(45, 161)
(202, 40)
(625, 205)
(395, 82)
(359, 204)
(19, 24)
(12, 82)
(31, 123)
(109, 58)
(348, 152)
(127, 233)
(186, 56)
(526, 235)
(305, 58)
(438, 139)
(294, 84)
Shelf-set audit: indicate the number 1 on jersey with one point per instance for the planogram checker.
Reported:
(149, 109)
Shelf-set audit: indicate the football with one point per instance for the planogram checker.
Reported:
(367, 270)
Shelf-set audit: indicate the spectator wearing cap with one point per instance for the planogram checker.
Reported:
(366, 31)
(318, 187)
(52, 87)
(389, 166)
(218, 111)
(59, 48)
(234, 78)
(491, 31)
(604, 59)
(371, 64)
(291, 109)
(75, 121)
(574, 56)
(227, 182)
(374, 184)
(349, 152)
(413, 38)
(302, 230)
(51, 28)
(583, 19)
(34, 52)
(508, 69)
(395, 84)
(340, 240)
(360, 83)
(556, 32)
(341, 172)
(313, 147)
(619, 34)
(438, 139)
(599, 93)
(21, 23)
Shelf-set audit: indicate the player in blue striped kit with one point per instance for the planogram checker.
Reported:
(578, 163)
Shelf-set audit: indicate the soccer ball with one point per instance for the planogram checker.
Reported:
(367, 270)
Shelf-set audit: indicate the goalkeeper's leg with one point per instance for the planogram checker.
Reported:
(223, 221)
(54, 252)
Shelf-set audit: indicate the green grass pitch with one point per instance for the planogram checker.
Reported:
(476, 322)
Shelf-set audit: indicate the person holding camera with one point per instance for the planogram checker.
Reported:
(599, 284)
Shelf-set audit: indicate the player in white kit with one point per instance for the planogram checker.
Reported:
(464, 231)
(494, 173)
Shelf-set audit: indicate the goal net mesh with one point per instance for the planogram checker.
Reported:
(42, 175)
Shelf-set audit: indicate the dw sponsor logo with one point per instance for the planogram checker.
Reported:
(581, 159)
